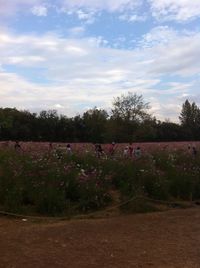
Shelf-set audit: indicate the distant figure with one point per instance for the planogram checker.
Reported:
(137, 152)
(112, 149)
(96, 148)
(50, 146)
(194, 151)
(130, 148)
(126, 152)
(99, 150)
(17, 146)
(69, 149)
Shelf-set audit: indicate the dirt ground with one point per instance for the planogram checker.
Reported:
(162, 239)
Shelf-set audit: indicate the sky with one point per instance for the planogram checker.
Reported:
(73, 55)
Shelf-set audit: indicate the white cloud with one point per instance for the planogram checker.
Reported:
(158, 35)
(75, 72)
(89, 10)
(87, 16)
(179, 10)
(23, 60)
(180, 57)
(76, 31)
(171, 52)
(108, 5)
(58, 106)
(10, 7)
(40, 11)
(86, 72)
(133, 17)
(75, 50)
(86, 10)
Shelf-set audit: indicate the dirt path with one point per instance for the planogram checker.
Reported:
(165, 240)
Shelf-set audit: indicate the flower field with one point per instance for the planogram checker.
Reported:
(48, 180)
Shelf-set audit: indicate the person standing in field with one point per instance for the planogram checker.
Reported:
(99, 151)
(194, 151)
(112, 149)
(69, 149)
(17, 147)
(130, 149)
(96, 149)
(126, 152)
(138, 152)
(50, 147)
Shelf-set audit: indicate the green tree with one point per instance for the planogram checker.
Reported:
(128, 113)
(47, 123)
(189, 114)
(169, 131)
(190, 119)
(130, 107)
(146, 131)
(95, 121)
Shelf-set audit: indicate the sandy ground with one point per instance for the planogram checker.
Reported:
(164, 239)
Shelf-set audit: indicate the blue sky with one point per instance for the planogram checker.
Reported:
(72, 55)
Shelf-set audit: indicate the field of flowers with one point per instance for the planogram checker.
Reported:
(45, 179)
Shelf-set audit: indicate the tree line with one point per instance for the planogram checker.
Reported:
(128, 121)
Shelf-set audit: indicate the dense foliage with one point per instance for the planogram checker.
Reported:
(128, 121)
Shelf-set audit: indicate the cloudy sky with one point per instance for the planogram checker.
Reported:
(72, 55)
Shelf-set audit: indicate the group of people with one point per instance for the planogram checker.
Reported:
(99, 151)
(128, 151)
(60, 150)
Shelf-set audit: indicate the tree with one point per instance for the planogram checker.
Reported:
(47, 123)
(169, 131)
(189, 114)
(146, 131)
(130, 107)
(95, 121)
(190, 119)
(128, 113)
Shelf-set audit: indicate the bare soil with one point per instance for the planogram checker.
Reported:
(163, 239)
